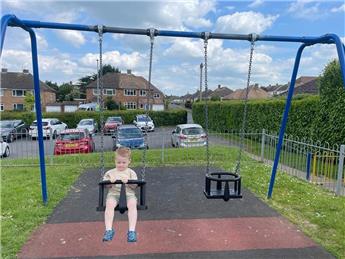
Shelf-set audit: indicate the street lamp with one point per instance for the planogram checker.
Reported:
(200, 91)
(97, 84)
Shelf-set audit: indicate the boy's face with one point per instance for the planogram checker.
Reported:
(122, 162)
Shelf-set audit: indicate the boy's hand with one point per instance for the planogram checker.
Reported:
(113, 179)
(125, 179)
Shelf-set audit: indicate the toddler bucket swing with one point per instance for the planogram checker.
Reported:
(222, 184)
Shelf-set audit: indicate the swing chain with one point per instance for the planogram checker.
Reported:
(152, 37)
(101, 104)
(238, 165)
(206, 37)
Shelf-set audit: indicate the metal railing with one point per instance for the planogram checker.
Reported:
(318, 163)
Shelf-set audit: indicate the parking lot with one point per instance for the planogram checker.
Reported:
(160, 138)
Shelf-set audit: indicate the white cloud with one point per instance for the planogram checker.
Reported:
(306, 9)
(185, 48)
(338, 9)
(256, 3)
(245, 22)
(42, 43)
(114, 58)
(76, 38)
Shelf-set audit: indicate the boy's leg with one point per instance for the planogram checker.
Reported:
(109, 213)
(132, 213)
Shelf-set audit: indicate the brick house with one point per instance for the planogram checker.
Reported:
(15, 85)
(128, 90)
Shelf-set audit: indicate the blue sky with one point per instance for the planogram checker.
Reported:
(68, 55)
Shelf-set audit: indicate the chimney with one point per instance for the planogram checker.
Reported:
(129, 71)
(219, 86)
(25, 71)
(3, 70)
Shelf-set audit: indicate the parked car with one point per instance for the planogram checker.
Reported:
(112, 123)
(188, 135)
(73, 141)
(88, 107)
(142, 121)
(4, 149)
(89, 124)
(51, 128)
(12, 129)
(129, 136)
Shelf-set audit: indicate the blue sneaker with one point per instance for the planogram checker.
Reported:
(131, 236)
(108, 235)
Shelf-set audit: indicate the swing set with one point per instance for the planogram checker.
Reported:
(228, 184)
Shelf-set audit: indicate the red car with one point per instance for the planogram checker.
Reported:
(112, 123)
(72, 141)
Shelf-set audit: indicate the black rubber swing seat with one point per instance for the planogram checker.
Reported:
(228, 186)
(122, 206)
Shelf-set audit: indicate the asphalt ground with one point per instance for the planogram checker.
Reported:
(179, 223)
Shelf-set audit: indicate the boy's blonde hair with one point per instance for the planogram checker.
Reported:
(124, 152)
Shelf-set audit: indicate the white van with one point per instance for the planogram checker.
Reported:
(88, 107)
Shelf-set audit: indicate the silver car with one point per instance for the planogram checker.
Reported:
(188, 135)
(89, 124)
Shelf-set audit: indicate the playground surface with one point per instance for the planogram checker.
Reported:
(179, 223)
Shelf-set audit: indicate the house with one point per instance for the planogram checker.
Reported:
(14, 87)
(303, 85)
(255, 92)
(128, 90)
(221, 92)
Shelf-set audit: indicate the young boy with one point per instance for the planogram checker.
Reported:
(123, 173)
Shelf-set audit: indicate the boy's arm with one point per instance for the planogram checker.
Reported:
(133, 176)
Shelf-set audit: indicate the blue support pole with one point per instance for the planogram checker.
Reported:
(308, 166)
(284, 120)
(13, 20)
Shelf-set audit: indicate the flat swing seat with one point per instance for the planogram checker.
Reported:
(122, 206)
(228, 186)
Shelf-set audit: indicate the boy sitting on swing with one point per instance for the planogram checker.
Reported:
(123, 173)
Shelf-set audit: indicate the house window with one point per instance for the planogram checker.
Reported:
(156, 95)
(96, 91)
(109, 91)
(1, 92)
(130, 92)
(18, 107)
(1, 107)
(18, 93)
(131, 105)
(142, 92)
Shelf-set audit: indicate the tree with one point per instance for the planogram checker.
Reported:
(215, 98)
(330, 123)
(110, 104)
(29, 101)
(52, 85)
(64, 92)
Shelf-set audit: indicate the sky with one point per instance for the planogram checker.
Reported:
(66, 56)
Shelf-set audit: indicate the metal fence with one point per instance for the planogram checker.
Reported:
(313, 161)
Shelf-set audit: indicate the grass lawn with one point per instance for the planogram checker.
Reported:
(317, 212)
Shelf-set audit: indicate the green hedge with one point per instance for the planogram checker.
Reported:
(304, 118)
(160, 118)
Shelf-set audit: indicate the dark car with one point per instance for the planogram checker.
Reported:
(13, 129)
(129, 136)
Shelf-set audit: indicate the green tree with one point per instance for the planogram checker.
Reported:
(215, 98)
(329, 125)
(110, 104)
(52, 85)
(29, 101)
(64, 92)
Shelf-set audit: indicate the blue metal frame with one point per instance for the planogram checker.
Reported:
(4, 22)
(11, 20)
